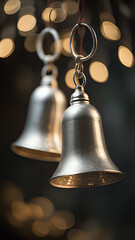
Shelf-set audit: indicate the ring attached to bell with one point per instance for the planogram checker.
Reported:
(85, 161)
(41, 137)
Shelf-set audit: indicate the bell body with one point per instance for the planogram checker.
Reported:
(41, 137)
(85, 161)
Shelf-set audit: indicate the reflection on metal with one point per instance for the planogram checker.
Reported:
(85, 161)
(41, 138)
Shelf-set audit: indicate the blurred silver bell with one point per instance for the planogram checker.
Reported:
(41, 137)
(85, 161)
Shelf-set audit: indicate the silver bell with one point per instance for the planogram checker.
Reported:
(41, 137)
(85, 161)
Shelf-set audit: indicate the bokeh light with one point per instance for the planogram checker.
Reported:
(65, 37)
(98, 72)
(30, 42)
(40, 228)
(71, 7)
(46, 14)
(7, 47)
(12, 6)
(26, 23)
(106, 16)
(75, 234)
(69, 79)
(20, 211)
(46, 205)
(110, 31)
(63, 220)
(125, 56)
(58, 15)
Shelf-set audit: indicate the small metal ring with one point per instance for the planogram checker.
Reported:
(84, 80)
(49, 67)
(94, 38)
(39, 46)
(79, 69)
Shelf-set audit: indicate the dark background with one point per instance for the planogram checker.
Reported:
(110, 207)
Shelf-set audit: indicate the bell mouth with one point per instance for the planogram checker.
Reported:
(88, 179)
(36, 154)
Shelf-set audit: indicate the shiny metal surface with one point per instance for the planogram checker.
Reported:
(94, 38)
(41, 137)
(39, 46)
(85, 161)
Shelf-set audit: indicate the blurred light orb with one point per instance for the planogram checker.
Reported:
(69, 79)
(58, 15)
(71, 7)
(36, 212)
(30, 42)
(98, 72)
(26, 23)
(75, 234)
(46, 205)
(65, 36)
(46, 14)
(20, 211)
(106, 16)
(7, 47)
(63, 219)
(110, 31)
(125, 56)
(40, 228)
(12, 6)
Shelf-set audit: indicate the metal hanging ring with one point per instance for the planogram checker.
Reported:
(50, 68)
(84, 79)
(39, 46)
(94, 38)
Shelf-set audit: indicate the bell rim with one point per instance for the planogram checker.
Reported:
(36, 154)
(117, 172)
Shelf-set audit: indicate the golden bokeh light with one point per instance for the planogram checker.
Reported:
(40, 228)
(69, 79)
(63, 219)
(54, 231)
(26, 23)
(59, 222)
(71, 7)
(13, 221)
(106, 16)
(46, 14)
(75, 234)
(98, 72)
(12, 6)
(125, 56)
(110, 31)
(20, 211)
(7, 47)
(30, 42)
(58, 15)
(36, 212)
(46, 206)
(65, 36)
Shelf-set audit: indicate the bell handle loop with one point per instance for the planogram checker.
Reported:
(82, 76)
(94, 38)
(50, 68)
(39, 46)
